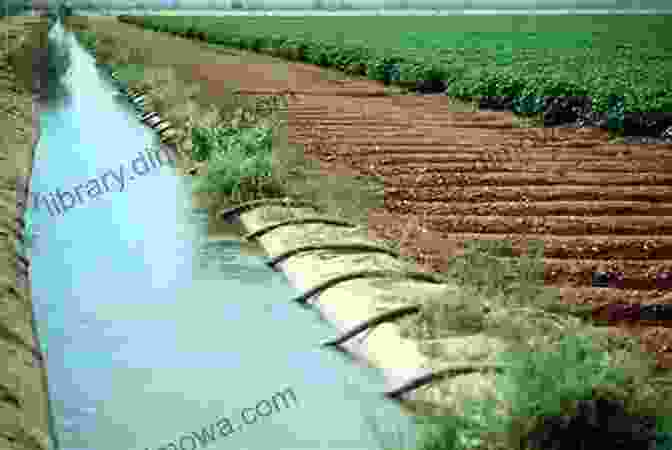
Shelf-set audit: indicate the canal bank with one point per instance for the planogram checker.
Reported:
(24, 399)
(363, 292)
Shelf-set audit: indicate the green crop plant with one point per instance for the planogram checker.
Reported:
(479, 56)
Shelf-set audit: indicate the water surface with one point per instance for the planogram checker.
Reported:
(155, 329)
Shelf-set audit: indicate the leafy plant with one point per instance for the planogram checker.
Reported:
(237, 157)
(497, 63)
(528, 105)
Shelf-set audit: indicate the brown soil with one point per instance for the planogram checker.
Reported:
(453, 176)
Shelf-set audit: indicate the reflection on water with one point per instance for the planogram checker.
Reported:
(158, 323)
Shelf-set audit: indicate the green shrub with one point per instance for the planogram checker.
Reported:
(236, 156)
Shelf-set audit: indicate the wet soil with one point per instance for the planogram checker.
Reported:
(451, 176)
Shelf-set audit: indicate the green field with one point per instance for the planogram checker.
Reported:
(519, 56)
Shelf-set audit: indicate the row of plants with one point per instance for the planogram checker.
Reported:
(602, 65)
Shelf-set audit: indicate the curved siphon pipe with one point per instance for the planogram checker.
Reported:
(298, 221)
(420, 276)
(227, 214)
(355, 246)
(25, 261)
(451, 370)
(387, 316)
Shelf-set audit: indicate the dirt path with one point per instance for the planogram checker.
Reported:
(453, 176)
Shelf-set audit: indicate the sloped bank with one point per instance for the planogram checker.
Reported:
(24, 400)
(140, 100)
(367, 293)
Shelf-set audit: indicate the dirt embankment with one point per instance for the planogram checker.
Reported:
(24, 418)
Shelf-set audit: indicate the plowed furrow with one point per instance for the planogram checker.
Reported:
(453, 157)
(533, 165)
(559, 225)
(422, 192)
(334, 117)
(575, 208)
(604, 296)
(593, 246)
(639, 274)
(403, 142)
(406, 139)
(419, 192)
(468, 151)
(539, 179)
(507, 125)
(355, 134)
(448, 119)
(381, 138)
(454, 144)
(578, 273)
(339, 125)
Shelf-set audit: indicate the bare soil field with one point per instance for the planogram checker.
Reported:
(453, 175)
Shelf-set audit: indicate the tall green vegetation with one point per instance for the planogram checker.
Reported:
(563, 387)
(510, 56)
(238, 152)
(576, 384)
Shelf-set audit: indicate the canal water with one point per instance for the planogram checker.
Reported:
(160, 333)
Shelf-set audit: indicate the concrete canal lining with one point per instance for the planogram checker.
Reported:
(347, 304)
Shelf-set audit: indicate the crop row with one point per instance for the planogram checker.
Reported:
(635, 68)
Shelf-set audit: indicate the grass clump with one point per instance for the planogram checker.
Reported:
(489, 269)
(236, 157)
(568, 385)
(572, 395)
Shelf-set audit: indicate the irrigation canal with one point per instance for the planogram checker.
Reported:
(157, 335)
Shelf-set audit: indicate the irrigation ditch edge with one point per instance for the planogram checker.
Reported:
(348, 308)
